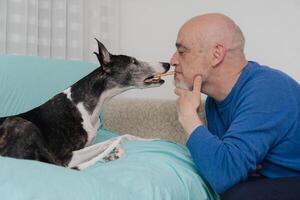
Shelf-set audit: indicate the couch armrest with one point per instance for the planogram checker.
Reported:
(148, 118)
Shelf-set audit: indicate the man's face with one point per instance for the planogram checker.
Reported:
(189, 59)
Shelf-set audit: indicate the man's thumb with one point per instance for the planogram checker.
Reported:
(197, 84)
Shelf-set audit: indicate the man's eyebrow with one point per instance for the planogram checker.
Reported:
(178, 45)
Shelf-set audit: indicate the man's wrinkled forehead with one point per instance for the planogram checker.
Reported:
(188, 34)
(186, 40)
(182, 38)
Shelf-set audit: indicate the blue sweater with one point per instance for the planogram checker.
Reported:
(257, 123)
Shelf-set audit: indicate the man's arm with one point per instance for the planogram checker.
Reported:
(256, 127)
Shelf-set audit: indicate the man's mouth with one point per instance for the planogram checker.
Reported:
(156, 79)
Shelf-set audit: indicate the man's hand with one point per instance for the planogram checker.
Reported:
(187, 106)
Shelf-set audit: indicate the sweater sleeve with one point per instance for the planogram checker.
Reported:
(257, 126)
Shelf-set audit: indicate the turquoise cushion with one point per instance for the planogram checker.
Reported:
(28, 81)
(149, 170)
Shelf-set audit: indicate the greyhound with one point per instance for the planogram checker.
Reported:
(62, 130)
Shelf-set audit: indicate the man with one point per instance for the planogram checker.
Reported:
(253, 112)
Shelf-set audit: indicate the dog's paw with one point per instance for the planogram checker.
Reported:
(115, 154)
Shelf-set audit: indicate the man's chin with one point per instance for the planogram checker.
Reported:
(182, 85)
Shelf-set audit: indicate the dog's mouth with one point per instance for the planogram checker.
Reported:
(156, 79)
(153, 80)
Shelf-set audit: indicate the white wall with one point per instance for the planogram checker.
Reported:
(148, 31)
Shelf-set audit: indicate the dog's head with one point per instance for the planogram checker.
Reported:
(129, 72)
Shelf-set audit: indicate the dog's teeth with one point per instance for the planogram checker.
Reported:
(155, 79)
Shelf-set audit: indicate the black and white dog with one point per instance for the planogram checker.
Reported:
(61, 130)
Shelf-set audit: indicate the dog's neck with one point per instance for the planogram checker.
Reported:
(89, 96)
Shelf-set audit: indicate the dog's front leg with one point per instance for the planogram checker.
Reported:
(87, 156)
(105, 151)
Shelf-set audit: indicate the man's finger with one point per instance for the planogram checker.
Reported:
(197, 84)
(178, 91)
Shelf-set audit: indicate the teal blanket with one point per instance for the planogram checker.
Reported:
(149, 170)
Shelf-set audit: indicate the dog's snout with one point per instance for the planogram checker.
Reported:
(165, 65)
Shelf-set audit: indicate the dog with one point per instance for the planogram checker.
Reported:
(62, 130)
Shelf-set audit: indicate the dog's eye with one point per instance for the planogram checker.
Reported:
(134, 61)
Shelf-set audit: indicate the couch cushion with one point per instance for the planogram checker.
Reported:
(149, 118)
(28, 81)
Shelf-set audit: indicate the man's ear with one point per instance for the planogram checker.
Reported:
(218, 54)
(104, 57)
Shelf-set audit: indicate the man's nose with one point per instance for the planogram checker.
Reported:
(174, 59)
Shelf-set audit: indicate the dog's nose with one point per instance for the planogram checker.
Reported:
(166, 65)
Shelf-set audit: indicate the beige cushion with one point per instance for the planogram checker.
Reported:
(145, 118)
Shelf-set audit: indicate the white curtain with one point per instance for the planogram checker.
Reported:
(58, 28)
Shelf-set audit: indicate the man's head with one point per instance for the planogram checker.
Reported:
(206, 44)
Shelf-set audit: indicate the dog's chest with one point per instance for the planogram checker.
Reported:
(90, 125)
(90, 118)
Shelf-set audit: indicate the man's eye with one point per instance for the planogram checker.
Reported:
(180, 52)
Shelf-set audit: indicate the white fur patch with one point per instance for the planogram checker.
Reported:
(68, 93)
(91, 122)
(87, 124)
(157, 67)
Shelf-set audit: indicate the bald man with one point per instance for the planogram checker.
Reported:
(253, 112)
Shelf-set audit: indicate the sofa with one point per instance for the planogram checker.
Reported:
(147, 118)
(159, 169)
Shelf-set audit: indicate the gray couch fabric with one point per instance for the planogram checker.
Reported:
(147, 118)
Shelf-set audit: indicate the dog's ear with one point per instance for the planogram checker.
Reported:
(103, 55)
